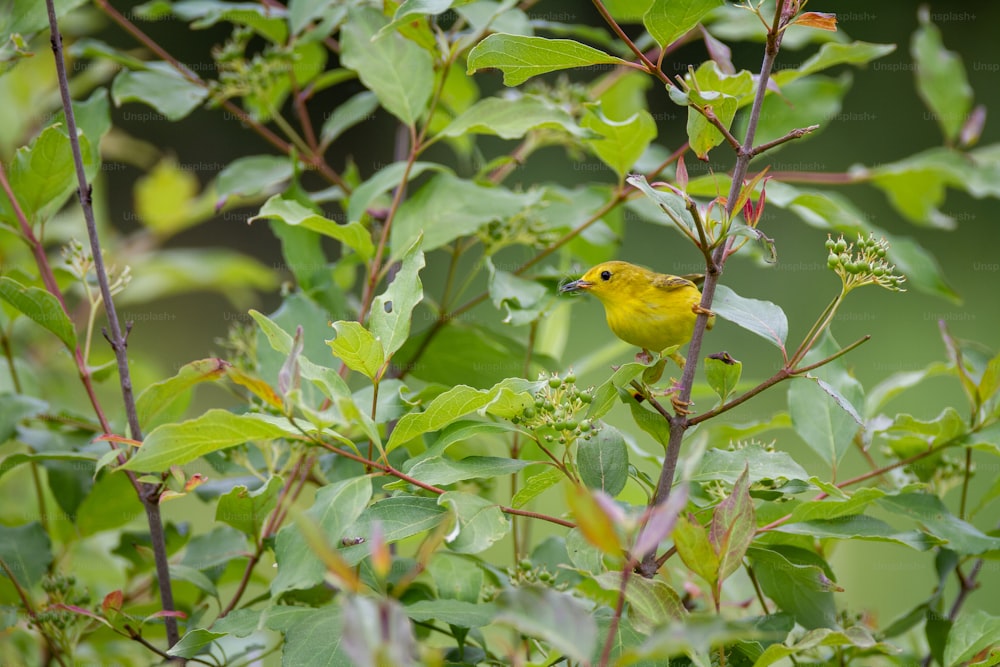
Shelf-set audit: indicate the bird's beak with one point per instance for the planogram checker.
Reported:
(576, 285)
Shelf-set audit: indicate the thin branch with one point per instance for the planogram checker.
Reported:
(118, 340)
(714, 269)
(619, 609)
(647, 64)
(794, 134)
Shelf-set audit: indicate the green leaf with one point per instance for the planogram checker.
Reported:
(281, 341)
(535, 484)
(650, 421)
(606, 393)
(859, 527)
(560, 619)
(358, 348)
(41, 307)
(336, 508)
(268, 22)
(197, 578)
(385, 179)
(622, 143)
(974, 632)
(823, 407)
(161, 87)
(603, 461)
(879, 395)
(352, 234)
(798, 586)
(695, 549)
(26, 551)
(513, 118)
(111, 503)
(733, 527)
(652, 602)
(522, 57)
(835, 507)
(857, 636)
(703, 135)
(42, 175)
(176, 444)
(166, 401)
(392, 310)
(831, 54)
(441, 470)
(359, 108)
(524, 300)
(763, 465)
(763, 318)
(26, 16)
(723, 374)
(246, 510)
(399, 516)
(462, 613)
(398, 71)
(194, 642)
(673, 205)
(457, 402)
(908, 435)
(456, 578)
(448, 207)
(479, 522)
(815, 100)
(669, 21)
(941, 79)
(253, 175)
(933, 517)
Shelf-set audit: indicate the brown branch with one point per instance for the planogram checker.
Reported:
(148, 493)
(647, 64)
(794, 134)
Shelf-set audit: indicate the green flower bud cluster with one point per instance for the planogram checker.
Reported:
(242, 76)
(527, 572)
(863, 263)
(61, 589)
(559, 410)
(523, 229)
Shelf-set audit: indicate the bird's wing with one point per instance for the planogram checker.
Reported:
(668, 283)
(696, 278)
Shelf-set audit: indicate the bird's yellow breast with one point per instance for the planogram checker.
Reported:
(652, 318)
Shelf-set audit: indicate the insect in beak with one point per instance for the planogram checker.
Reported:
(575, 286)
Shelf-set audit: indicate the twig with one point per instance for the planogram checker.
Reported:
(119, 343)
(679, 425)
(794, 134)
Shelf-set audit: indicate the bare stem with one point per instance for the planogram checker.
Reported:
(679, 424)
(119, 343)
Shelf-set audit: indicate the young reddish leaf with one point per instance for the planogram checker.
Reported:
(661, 522)
(594, 521)
(733, 526)
(818, 20)
(112, 600)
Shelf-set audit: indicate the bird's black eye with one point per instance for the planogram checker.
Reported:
(605, 275)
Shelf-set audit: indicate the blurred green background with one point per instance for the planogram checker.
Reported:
(882, 120)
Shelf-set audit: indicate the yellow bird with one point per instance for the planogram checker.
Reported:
(650, 310)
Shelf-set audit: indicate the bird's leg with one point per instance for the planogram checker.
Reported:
(643, 357)
(678, 358)
(697, 309)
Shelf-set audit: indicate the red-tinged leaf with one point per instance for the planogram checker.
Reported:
(112, 600)
(682, 174)
(733, 526)
(258, 387)
(973, 127)
(661, 523)
(119, 439)
(695, 549)
(818, 20)
(165, 614)
(381, 558)
(718, 52)
(196, 480)
(83, 612)
(170, 495)
(594, 522)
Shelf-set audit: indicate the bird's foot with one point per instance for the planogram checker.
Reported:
(680, 407)
(643, 357)
(697, 309)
